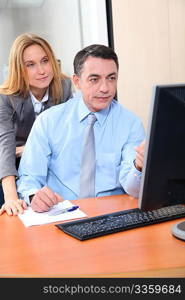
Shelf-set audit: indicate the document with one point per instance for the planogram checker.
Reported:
(30, 217)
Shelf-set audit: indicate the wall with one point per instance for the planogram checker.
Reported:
(54, 20)
(149, 38)
(93, 22)
(68, 25)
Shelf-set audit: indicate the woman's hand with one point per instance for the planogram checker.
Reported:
(19, 151)
(13, 207)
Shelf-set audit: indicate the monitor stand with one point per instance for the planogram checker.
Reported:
(178, 230)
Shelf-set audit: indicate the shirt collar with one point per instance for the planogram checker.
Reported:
(83, 112)
(44, 99)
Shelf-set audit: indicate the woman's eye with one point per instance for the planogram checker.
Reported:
(45, 61)
(29, 65)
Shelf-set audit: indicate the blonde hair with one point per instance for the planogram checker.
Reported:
(17, 80)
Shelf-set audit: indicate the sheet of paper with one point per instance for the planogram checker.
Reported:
(29, 217)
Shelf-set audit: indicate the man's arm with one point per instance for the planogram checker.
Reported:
(132, 160)
(33, 169)
(33, 166)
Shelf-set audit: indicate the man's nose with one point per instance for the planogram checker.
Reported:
(104, 86)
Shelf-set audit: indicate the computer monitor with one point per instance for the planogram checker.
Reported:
(163, 174)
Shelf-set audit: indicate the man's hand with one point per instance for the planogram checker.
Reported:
(139, 156)
(44, 199)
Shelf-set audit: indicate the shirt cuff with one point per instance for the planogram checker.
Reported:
(132, 185)
(27, 195)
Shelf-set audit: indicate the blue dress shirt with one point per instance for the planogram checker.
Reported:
(53, 150)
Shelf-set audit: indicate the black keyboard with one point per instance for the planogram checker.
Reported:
(118, 221)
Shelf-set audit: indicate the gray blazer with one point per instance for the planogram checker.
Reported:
(16, 120)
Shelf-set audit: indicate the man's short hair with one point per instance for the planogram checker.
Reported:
(94, 50)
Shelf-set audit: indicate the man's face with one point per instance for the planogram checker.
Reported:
(97, 82)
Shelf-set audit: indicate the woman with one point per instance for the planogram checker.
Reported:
(34, 83)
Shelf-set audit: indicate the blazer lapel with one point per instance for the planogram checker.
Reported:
(23, 107)
(48, 103)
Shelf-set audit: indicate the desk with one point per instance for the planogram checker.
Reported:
(45, 251)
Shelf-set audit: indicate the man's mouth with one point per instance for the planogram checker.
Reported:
(103, 98)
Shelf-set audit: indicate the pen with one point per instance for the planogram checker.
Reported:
(64, 210)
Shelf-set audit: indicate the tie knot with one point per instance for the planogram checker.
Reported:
(91, 119)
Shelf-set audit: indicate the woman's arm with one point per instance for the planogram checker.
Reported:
(7, 139)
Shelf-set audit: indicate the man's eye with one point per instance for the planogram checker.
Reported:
(112, 78)
(93, 79)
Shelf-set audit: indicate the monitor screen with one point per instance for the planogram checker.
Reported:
(163, 174)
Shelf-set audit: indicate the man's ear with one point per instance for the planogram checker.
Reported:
(76, 81)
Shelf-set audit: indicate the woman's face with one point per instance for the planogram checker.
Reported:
(39, 68)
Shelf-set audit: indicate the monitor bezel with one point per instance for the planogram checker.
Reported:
(148, 140)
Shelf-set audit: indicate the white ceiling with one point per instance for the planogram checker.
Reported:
(20, 3)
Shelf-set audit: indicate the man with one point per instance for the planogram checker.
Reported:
(50, 168)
